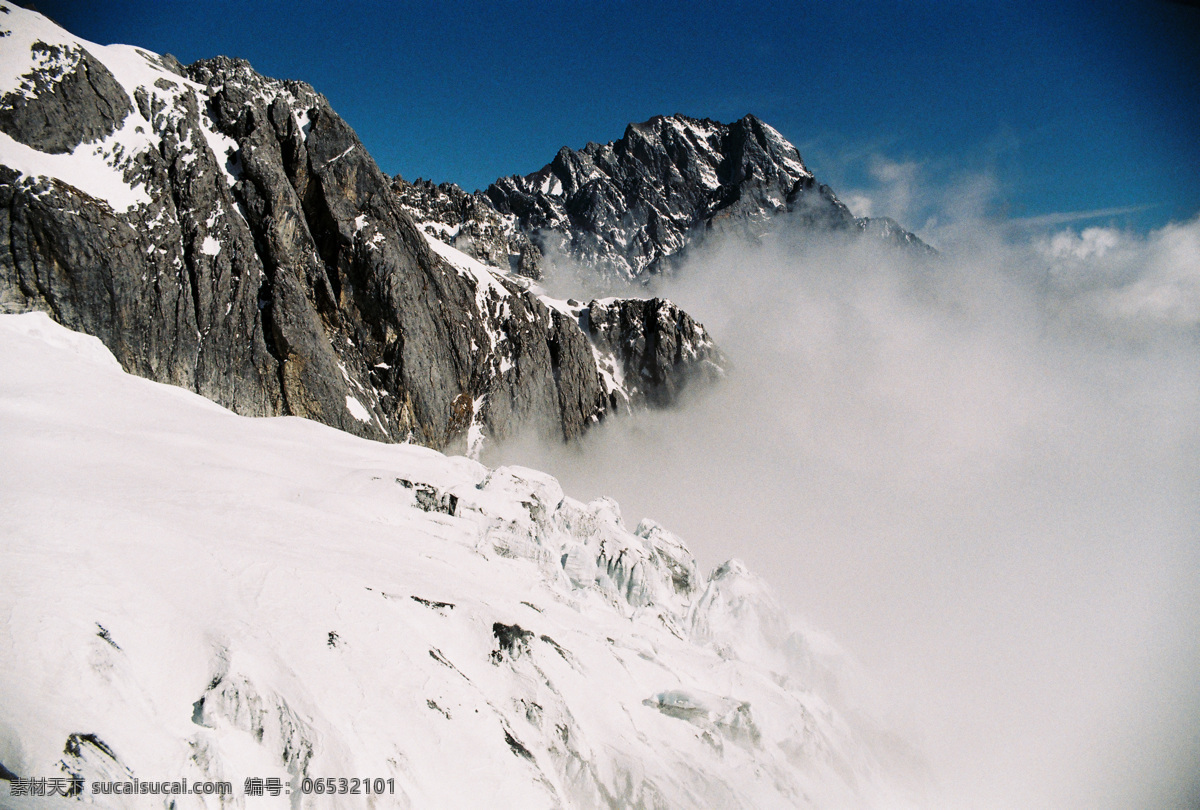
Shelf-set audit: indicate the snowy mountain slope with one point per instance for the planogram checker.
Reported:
(227, 232)
(633, 206)
(190, 593)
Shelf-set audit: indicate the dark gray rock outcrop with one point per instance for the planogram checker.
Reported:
(68, 99)
(469, 223)
(659, 347)
(254, 253)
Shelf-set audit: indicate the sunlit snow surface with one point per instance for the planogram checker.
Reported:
(97, 168)
(217, 597)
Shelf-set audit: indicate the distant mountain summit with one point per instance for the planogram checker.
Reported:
(631, 207)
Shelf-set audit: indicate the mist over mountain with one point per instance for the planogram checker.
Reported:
(977, 473)
(209, 600)
(228, 233)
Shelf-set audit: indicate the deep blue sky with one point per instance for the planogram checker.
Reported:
(1076, 107)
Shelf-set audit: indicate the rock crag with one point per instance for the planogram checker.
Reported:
(632, 207)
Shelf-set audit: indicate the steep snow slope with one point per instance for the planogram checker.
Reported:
(190, 593)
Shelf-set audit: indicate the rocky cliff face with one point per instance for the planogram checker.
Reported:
(632, 206)
(646, 341)
(470, 224)
(228, 233)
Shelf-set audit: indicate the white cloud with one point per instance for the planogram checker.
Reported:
(978, 473)
(859, 204)
(893, 193)
(1135, 280)
(1168, 290)
(1092, 242)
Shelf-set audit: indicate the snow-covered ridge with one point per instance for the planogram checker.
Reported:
(36, 56)
(195, 594)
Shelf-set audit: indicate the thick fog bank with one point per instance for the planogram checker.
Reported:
(980, 472)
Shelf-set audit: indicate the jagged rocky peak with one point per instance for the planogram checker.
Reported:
(228, 232)
(632, 206)
(469, 223)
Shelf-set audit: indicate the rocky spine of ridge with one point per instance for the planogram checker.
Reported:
(231, 235)
(469, 223)
(631, 207)
(647, 340)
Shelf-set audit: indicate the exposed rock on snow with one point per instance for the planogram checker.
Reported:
(68, 98)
